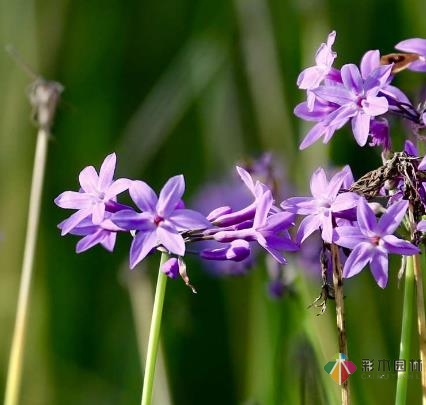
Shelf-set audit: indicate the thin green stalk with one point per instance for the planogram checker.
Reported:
(407, 326)
(421, 322)
(154, 334)
(44, 98)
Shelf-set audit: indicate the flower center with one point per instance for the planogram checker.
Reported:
(375, 240)
(158, 220)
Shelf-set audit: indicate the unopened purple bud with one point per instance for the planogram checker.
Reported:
(276, 288)
(218, 212)
(171, 268)
(237, 251)
(236, 217)
(230, 236)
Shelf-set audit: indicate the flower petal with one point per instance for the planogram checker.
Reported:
(73, 200)
(366, 218)
(379, 269)
(189, 220)
(74, 220)
(170, 195)
(357, 260)
(309, 225)
(171, 239)
(106, 172)
(143, 196)
(399, 246)
(391, 219)
(142, 244)
(88, 179)
(349, 236)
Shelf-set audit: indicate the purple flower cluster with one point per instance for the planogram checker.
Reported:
(163, 223)
(259, 215)
(361, 96)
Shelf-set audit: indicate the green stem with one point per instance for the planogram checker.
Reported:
(421, 321)
(14, 374)
(407, 326)
(154, 334)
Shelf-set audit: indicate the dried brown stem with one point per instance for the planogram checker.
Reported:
(340, 313)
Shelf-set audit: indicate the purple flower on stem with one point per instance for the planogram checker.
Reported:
(371, 241)
(270, 231)
(97, 195)
(325, 204)
(161, 221)
(357, 98)
(311, 77)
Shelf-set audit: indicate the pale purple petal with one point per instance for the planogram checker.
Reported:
(142, 244)
(308, 225)
(366, 218)
(357, 260)
(361, 127)
(88, 178)
(336, 183)
(170, 195)
(189, 220)
(327, 227)
(300, 205)
(391, 219)
(131, 220)
(98, 212)
(74, 220)
(108, 242)
(369, 62)
(143, 196)
(399, 246)
(313, 135)
(264, 205)
(345, 201)
(374, 106)
(351, 77)
(74, 200)
(106, 172)
(117, 187)
(318, 183)
(379, 269)
(280, 221)
(246, 178)
(171, 239)
(415, 45)
(89, 241)
(349, 236)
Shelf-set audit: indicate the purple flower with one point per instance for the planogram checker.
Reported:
(161, 221)
(311, 77)
(357, 98)
(97, 195)
(325, 204)
(371, 241)
(270, 231)
(415, 45)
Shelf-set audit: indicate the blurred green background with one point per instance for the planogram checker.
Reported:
(188, 87)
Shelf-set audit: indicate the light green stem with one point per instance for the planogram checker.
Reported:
(154, 334)
(407, 327)
(14, 374)
(421, 321)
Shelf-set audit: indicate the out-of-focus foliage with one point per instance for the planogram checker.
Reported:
(179, 86)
